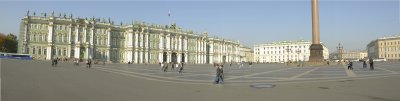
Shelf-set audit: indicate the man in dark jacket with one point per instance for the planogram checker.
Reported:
(219, 75)
(371, 64)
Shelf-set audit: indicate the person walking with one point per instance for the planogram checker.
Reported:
(172, 66)
(219, 75)
(364, 64)
(371, 64)
(180, 68)
(88, 63)
(55, 62)
(350, 66)
(76, 61)
(165, 66)
(250, 64)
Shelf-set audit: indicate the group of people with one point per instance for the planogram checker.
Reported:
(241, 64)
(371, 65)
(54, 62)
(164, 66)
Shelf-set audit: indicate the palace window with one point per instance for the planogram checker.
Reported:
(40, 51)
(65, 52)
(33, 51)
(65, 38)
(34, 37)
(59, 52)
(40, 38)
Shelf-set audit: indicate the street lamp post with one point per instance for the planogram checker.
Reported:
(288, 50)
(340, 52)
(298, 51)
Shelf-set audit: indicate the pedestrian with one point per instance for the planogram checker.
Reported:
(350, 66)
(165, 66)
(364, 64)
(76, 61)
(88, 63)
(219, 75)
(180, 68)
(327, 62)
(55, 62)
(52, 63)
(172, 66)
(250, 64)
(371, 64)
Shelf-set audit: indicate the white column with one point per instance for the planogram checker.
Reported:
(129, 56)
(86, 53)
(146, 57)
(137, 40)
(130, 39)
(180, 43)
(186, 57)
(161, 38)
(168, 42)
(142, 40)
(108, 55)
(136, 57)
(109, 38)
(178, 56)
(49, 41)
(160, 58)
(168, 57)
(147, 40)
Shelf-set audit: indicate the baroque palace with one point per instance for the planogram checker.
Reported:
(47, 36)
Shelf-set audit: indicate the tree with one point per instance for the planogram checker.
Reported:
(8, 43)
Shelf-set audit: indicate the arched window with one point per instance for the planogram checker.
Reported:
(33, 51)
(40, 37)
(65, 38)
(59, 52)
(40, 51)
(34, 37)
(65, 52)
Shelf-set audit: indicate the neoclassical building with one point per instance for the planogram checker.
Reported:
(385, 48)
(47, 36)
(285, 51)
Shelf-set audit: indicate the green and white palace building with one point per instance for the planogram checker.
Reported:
(50, 36)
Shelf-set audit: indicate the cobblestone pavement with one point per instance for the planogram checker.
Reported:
(38, 81)
(258, 73)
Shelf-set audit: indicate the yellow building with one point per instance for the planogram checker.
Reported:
(386, 47)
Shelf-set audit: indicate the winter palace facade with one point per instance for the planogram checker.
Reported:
(49, 36)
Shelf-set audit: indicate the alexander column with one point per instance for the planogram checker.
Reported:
(316, 47)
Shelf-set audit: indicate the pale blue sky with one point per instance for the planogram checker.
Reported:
(354, 23)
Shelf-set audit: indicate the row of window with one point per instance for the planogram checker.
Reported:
(43, 51)
(45, 26)
(280, 47)
(390, 43)
(390, 55)
(390, 49)
(280, 52)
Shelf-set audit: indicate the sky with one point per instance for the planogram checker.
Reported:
(354, 23)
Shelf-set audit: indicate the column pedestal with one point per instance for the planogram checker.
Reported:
(316, 53)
